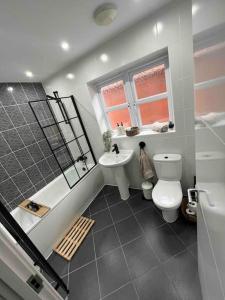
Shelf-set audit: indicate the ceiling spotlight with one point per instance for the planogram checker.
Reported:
(29, 74)
(70, 76)
(65, 46)
(10, 89)
(104, 57)
(105, 14)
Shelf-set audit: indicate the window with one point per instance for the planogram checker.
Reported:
(210, 82)
(138, 97)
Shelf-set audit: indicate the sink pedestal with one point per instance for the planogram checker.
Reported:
(122, 182)
(117, 162)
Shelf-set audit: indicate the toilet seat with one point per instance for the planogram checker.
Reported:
(167, 195)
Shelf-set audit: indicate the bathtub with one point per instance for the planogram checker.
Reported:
(211, 223)
(65, 204)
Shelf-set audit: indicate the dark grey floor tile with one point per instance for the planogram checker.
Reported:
(183, 271)
(193, 249)
(106, 240)
(128, 230)
(164, 242)
(83, 283)
(59, 264)
(149, 218)
(140, 257)
(84, 254)
(127, 292)
(155, 285)
(86, 213)
(102, 219)
(120, 211)
(134, 192)
(60, 290)
(185, 230)
(137, 203)
(113, 198)
(109, 189)
(98, 204)
(113, 272)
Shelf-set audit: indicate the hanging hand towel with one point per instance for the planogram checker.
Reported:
(145, 165)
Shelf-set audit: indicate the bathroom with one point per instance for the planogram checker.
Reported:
(112, 115)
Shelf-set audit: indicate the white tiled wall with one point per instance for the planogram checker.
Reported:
(170, 27)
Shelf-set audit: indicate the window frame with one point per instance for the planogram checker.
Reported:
(130, 92)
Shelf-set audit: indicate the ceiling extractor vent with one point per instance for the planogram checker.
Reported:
(105, 14)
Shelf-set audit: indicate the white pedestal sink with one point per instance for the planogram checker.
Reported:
(116, 162)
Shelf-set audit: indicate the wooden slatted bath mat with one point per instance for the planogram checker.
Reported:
(73, 238)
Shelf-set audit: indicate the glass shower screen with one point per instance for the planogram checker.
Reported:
(62, 126)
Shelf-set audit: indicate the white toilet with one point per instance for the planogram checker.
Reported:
(167, 193)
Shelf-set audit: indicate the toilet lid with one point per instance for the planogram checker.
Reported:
(167, 194)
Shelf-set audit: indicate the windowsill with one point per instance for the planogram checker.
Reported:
(143, 133)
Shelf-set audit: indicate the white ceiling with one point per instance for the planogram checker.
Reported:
(31, 32)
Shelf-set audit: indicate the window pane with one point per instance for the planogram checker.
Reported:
(154, 112)
(150, 82)
(114, 94)
(210, 63)
(210, 101)
(118, 116)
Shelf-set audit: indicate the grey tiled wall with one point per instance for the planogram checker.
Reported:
(26, 161)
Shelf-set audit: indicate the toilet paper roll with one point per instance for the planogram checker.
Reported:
(192, 206)
(190, 212)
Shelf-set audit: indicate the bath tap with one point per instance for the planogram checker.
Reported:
(115, 148)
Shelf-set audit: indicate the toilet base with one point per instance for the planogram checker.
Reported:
(170, 216)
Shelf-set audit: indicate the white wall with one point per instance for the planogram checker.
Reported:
(131, 45)
(209, 14)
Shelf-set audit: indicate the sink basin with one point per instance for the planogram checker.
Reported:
(116, 162)
(112, 160)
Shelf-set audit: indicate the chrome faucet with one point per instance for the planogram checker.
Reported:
(115, 148)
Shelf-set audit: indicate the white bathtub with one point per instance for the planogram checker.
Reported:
(65, 204)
